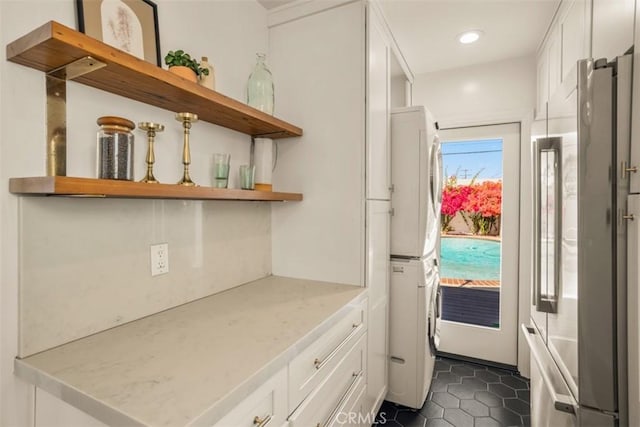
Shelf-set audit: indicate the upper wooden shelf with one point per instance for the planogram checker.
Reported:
(69, 186)
(54, 45)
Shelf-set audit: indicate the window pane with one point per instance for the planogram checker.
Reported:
(470, 248)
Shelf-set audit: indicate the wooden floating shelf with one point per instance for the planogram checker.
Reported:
(54, 45)
(89, 187)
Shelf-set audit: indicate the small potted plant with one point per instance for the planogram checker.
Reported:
(182, 64)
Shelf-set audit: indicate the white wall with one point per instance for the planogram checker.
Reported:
(229, 33)
(495, 92)
(77, 278)
(323, 237)
(492, 93)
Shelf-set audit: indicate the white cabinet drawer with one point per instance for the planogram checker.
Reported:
(266, 406)
(311, 366)
(322, 406)
(351, 413)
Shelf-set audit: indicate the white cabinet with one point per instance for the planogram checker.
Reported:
(633, 245)
(324, 405)
(542, 84)
(635, 119)
(319, 386)
(378, 225)
(581, 29)
(378, 357)
(318, 64)
(353, 413)
(554, 60)
(574, 37)
(548, 70)
(266, 405)
(378, 181)
(325, 370)
(378, 237)
(314, 363)
(543, 413)
(567, 41)
(613, 22)
(53, 412)
(341, 96)
(378, 145)
(327, 380)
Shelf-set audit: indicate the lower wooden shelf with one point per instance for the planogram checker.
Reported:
(70, 186)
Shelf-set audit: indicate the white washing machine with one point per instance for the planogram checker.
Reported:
(414, 330)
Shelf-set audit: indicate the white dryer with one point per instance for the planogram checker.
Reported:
(417, 179)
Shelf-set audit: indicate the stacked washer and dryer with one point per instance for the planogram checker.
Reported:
(416, 170)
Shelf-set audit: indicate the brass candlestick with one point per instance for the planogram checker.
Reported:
(151, 129)
(186, 119)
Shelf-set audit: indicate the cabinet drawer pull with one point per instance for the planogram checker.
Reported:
(319, 363)
(628, 169)
(261, 422)
(356, 376)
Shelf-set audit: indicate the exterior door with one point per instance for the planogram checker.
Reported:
(479, 242)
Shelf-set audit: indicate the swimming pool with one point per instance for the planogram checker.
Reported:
(465, 258)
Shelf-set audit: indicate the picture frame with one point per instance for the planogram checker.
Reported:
(128, 25)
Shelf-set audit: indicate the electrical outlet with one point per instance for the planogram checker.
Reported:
(159, 259)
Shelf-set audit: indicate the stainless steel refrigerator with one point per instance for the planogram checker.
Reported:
(577, 333)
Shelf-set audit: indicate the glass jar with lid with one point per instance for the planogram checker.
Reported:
(115, 148)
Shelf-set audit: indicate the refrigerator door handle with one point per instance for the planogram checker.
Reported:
(561, 401)
(547, 196)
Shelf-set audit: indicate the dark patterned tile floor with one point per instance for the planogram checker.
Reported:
(465, 394)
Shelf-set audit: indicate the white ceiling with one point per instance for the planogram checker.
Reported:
(426, 30)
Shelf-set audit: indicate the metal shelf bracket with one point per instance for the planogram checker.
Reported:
(56, 81)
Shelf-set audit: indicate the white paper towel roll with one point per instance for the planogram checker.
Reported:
(263, 158)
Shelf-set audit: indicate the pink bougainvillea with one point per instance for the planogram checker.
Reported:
(454, 198)
(481, 204)
(484, 206)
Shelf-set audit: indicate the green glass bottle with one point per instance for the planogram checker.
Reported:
(260, 87)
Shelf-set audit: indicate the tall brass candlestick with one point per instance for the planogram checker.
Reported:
(151, 129)
(187, 119)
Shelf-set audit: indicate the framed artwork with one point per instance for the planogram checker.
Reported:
(128, 25)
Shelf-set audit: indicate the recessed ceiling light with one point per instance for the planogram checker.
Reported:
(469, 36)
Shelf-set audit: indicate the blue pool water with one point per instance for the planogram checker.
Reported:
(463, 258)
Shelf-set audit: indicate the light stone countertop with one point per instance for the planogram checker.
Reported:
(191, 364)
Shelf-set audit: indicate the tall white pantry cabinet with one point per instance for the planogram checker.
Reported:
(331, 66)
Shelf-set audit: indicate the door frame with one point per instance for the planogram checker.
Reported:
(504, 340)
